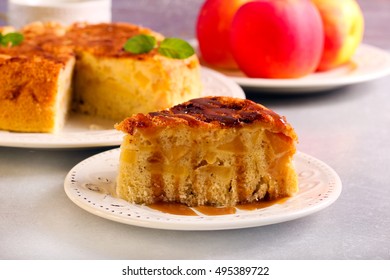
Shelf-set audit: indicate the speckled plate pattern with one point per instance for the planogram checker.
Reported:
(83, 131)
(319, 186)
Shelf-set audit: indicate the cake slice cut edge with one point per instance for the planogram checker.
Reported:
(35, 98)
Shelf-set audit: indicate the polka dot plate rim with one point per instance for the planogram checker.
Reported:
(319, 187)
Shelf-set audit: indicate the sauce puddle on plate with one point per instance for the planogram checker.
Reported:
(181, 209)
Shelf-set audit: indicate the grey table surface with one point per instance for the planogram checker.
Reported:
(348, 128)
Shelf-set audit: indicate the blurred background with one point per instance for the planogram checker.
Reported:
(166, 16)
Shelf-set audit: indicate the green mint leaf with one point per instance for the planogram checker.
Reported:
(140, 44)
(169, 47)
(11, 39)
(175, 48)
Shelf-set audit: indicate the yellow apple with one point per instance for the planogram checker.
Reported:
(343, 27)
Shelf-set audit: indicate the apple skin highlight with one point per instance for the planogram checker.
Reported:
(277, 39)
(213, 32)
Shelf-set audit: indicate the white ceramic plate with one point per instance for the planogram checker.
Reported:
(319, 185)
(82, 131)
(367, 64)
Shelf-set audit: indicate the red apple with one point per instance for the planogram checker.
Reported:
(277, 38)
(343, 26)
(212, 29)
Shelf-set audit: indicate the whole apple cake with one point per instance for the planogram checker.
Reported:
(85, 67)
(218, 151)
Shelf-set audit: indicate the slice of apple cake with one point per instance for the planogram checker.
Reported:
(218, 151)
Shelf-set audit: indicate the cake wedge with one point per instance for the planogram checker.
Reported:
(218, 151)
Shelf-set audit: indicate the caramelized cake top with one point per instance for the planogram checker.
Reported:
(43, 40)
(108, 39)
(218, 112)
(57, 43)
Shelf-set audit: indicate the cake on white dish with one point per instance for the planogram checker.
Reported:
(219, 151)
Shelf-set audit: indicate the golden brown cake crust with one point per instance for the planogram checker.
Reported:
(218, 112)
(36, 61)
(57, 43)
(43, 40)
(107, 40)
(16, 72)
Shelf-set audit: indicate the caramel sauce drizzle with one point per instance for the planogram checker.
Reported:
(240, 179)
(184, 210)
(173, 208)
(261, 204)
(215, 211)
(157, 181)
(228, 114)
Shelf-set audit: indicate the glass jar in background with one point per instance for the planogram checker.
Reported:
(22, 12)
